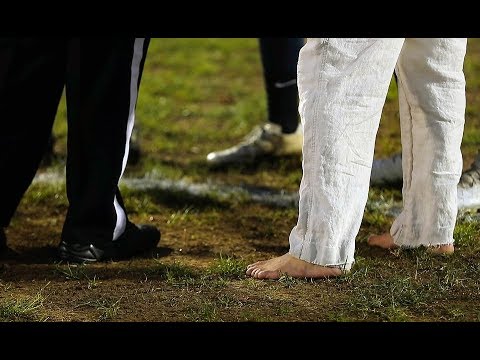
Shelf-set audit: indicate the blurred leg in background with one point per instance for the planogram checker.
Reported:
(281, 134)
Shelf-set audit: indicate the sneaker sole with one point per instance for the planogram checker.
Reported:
(112, 252)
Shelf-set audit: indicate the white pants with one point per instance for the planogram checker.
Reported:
(342, 87)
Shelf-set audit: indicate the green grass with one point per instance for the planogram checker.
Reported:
(467, 235)
(107, 309)
(202, 310)
(78, 272)
(222, 270)
(51, 195)
(71, 272)
(228, 267)
(22, 309)
(176, 274)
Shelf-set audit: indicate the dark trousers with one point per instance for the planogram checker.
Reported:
(279, 59)
(101, 77)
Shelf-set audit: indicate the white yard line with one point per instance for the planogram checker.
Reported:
(469, 199)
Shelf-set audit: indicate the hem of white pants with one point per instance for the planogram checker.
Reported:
(345, 267)
(396, 233)
(428, 245)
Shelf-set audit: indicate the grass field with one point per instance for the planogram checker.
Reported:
(199, 95)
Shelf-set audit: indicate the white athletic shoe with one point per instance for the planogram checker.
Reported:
(387, 171)
(469, 187)
(264, 140)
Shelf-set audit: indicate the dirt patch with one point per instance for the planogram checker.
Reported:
(196, 274)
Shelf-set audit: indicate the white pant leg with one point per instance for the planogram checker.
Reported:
(432, 115)
(342, 87)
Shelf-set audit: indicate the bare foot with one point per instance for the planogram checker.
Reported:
(289, 265)
(441, 249)
(385, 241)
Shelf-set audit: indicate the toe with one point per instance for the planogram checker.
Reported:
(255, 272)
(260, 275)
(250, 270)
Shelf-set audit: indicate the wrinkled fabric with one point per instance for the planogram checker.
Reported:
(342, 88)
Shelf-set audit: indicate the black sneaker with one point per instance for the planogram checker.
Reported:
(135, 240)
